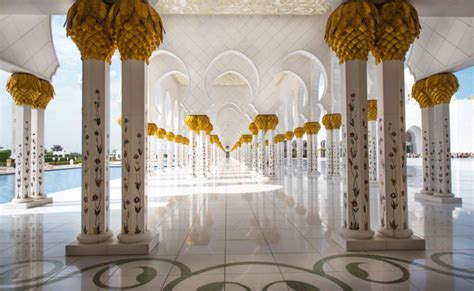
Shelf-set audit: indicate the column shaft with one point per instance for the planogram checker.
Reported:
(443, 151)
(37, 151)
(95, 152)
(329, 153)
(356, 212)
(23, 154)
(427, 126)
(393, 171)
(299, 154)
(261, 152)
(134, 114)
(271, 153)
(372, 150)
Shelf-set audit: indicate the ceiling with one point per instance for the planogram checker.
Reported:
(446, 8)
(26, 45)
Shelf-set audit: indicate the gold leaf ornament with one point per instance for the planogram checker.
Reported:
(136, 28)
(372, 110)
(441, 87)
(327, 122)
(299, 132)
(351, 29)
(86, 25)
(312, 127)
(151, 129)
(24, 88)
(398, 28)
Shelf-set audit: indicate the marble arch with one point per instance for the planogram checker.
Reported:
(246, 63)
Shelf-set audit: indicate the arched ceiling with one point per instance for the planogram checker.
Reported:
(445, 44)
(26, 45)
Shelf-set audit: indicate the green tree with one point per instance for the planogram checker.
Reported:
(57, 148)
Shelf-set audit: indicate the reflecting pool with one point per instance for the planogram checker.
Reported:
(55, 180)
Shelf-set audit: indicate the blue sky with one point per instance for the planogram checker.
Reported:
(63, 115)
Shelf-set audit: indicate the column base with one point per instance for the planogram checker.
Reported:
(334, 177)
(313, 174)
(438, 198)
(25, 204)
(135, 238)
(94, 238)
(378, 243)
(112, 247)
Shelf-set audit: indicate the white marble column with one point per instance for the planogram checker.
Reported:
(427, 127)
(312, 148)
(134, 180)
(95, 151)
(161, 160)
(170, 155)
(254, 152)
(193, 159)
(202, 154)
(289, 150)
(329, 153)
(271, 153)
(336, 151)
(208, 155)
(372, 139)
(23, 154)
(299, 154)
(150, 167)
(356, 212)
(442, 150)
(261, 163)
(392, 158)
(37, 154)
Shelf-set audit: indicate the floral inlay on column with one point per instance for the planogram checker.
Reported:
(372, 120)
(398, 20)
(312, 129)
(349, 21)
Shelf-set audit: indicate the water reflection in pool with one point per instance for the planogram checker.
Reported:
(56, 180)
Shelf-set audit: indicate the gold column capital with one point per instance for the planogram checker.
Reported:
(86, 26)
(351, 30)
(372, 110)
(327, 121)
(399, 26)
(299, 132)
(441, 87)
(24, 88)
(312, 127)
(253, 128)
(136, 28)
(151, 128)
(289, 135)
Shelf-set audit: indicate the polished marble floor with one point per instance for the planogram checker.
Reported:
(236, 232)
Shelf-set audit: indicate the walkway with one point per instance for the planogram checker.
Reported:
(250, 234)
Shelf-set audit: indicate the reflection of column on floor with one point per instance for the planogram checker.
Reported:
(372, 138)
(300, 208)
(329, 145)
(289, 149)
(313, 216)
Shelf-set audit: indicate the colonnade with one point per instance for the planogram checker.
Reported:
(434, 95)
(206, 149)
(31, 96)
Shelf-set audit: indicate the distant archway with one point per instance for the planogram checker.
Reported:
(413, 140)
